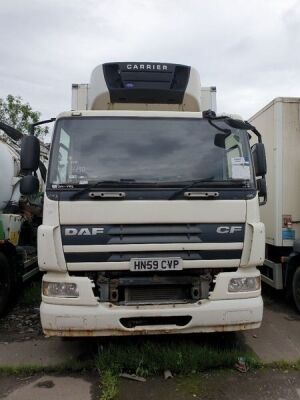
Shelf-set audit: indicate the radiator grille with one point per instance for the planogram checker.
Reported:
(149, 233)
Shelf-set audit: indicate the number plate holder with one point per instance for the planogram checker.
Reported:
(156, 264)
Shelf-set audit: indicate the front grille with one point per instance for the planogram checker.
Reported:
(149, 234)
(121, 243)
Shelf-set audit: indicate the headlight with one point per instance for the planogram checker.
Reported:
(244, 284)
(60, 289)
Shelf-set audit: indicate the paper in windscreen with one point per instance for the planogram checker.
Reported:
(240, 168)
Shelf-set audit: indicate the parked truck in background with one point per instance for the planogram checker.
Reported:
(280, 123)
(151, 214)
(19, 217)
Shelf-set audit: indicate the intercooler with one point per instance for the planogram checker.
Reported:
(159, 294)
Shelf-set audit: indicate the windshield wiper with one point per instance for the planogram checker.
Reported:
(95, 185)
(123, 182)
(209, 182)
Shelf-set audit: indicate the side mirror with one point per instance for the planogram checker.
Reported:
(259, 159)
(30, 153)
(262, 191)
(29, 185)
(220, 139)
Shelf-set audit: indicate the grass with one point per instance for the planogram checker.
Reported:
(109, 386)
(66, 367)
(149, 356)
(152, 356)
(146, 357)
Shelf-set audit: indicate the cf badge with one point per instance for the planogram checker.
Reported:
(229, 229)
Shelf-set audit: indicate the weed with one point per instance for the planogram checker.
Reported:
(150, 357)
(109, 385)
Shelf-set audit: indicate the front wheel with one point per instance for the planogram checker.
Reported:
(5, 283)
(296, 288)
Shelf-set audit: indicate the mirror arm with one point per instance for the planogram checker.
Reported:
(46, 121)
(263, 201)
(227, 131)
(265, 196)
(211, 115)
(255, 131)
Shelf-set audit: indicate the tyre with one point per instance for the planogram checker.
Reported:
(5, 283)
(296, 288)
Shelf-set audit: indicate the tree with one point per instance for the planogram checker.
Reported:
(19, 115)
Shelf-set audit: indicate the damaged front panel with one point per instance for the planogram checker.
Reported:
(122, 288)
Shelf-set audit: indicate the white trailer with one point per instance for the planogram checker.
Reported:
(280, 124)
(151, 215)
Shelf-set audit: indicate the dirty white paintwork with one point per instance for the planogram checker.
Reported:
(84, 315)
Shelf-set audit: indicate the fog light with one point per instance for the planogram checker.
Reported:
(60, 289)
(244, 284)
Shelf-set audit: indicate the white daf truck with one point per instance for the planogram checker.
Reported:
(151, 214)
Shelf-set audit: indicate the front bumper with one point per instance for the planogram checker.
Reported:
(104, 319)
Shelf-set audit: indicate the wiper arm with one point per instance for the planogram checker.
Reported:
(232, 183)
(99, 184)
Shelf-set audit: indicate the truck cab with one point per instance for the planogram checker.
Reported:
(151, 214)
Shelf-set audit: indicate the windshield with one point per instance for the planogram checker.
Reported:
(160, 150)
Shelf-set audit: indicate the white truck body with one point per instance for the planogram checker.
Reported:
(279, 122)
(90, 239)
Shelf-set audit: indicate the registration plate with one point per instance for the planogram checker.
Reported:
(155, 264)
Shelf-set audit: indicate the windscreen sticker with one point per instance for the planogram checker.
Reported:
(240, 161)
(76, 168)
(240, 168)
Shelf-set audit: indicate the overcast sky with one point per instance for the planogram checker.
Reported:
(249, 50)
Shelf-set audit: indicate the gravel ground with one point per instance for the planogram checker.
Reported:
(22, 321)
(215, 385)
